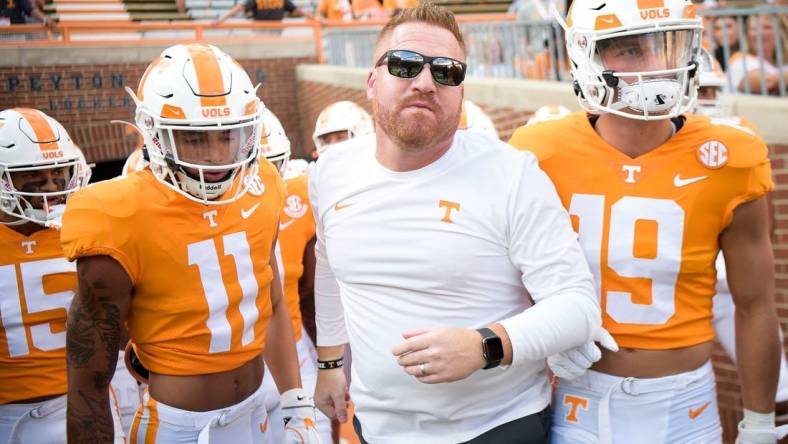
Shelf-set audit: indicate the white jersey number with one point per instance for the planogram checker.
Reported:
(662, 270)
(35, 300)
(203, 254)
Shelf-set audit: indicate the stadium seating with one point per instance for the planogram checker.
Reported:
(114, 10)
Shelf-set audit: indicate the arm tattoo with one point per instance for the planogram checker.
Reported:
(84, 420)
(92, 338)
(93, 317)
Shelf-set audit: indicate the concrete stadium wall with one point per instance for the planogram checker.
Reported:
(83, 87)
(510, 102)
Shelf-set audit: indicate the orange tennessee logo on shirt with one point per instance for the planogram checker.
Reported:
(449, 205)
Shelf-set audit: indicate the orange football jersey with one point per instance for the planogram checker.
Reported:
(201, 273)
(36, 288)
(296, 229)
(649, 226)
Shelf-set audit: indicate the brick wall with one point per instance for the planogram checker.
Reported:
(313, 97)
(84, 98)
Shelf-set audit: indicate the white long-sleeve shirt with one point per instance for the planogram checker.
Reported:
(453, 244)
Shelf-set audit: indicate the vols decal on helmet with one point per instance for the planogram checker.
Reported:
(713, 154)
(295, 207)
(653, 9)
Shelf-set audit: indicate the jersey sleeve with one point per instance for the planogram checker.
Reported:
(92, 227)
(750, 162)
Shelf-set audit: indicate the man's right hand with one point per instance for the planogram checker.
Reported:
(331, 393)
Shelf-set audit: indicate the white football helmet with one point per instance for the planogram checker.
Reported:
(474, 119)
(548, 112)
(710, 76)
(634, 58)
(341, 116)
(274, 144)
(200, 117)
(32, 141)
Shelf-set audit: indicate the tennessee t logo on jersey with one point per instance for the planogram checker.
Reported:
(28, 245)
(630, 170)
(449, 205)
(574, 402)
(210, 215)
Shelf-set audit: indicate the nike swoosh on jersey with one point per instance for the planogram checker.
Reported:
(694, 413)
(678, 182)
(246, 213)
(338, 207)
(282, 226)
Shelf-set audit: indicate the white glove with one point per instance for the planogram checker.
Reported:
(55, 216)
(298, 411)
(758, 428)
(572, 363)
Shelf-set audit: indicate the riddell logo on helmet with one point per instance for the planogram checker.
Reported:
(221, 111)
(653, 9)
(52, 154)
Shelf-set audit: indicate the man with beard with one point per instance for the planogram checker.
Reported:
(424, 273)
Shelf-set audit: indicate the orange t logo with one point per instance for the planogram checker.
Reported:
(449, 205)
(574, 402)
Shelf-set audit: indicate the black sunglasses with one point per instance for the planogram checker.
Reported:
(408, 64)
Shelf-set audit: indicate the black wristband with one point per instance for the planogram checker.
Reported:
(328, 365)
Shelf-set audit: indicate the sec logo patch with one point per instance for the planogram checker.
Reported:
(295, 207)
(713, 154)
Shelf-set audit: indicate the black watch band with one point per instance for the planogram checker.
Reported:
(492, 348)
(328, 365)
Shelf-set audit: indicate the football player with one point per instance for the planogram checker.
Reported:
(182, 252)
(654, 194)
(338, 122)
(40, 167)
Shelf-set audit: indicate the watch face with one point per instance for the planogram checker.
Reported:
(493, 349)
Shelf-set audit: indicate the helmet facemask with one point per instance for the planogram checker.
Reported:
(202, 162)
(41, 207)
(644, 74)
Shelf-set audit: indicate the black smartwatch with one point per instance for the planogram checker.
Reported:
(492, 347)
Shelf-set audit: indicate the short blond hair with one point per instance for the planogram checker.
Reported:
(426, 12)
